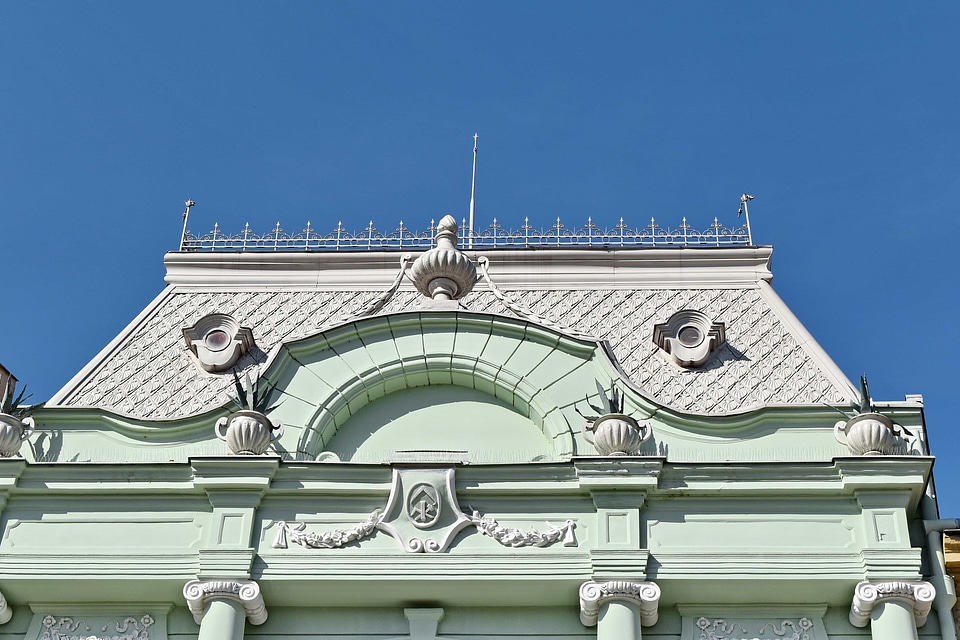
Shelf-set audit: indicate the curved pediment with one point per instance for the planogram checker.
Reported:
(499, 388)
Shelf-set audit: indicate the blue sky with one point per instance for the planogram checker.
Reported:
(841, 118)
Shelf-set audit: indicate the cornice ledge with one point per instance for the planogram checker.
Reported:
(234, 472)
(515, 269)
(247, 592)
(626, 472)
(919, 595)
(593, 595)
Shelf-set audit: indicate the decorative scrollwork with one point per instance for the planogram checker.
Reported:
(66, 628)
(329, 539)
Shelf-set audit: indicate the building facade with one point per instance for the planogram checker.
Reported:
(554, 442)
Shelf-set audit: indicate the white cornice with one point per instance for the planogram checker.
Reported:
(602, 268)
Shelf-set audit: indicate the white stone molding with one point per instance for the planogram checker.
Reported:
(593, 595)
(513, 537)
(919, 595)
(328, 539)
(246, 592)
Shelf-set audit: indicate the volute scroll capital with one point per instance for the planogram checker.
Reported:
(247, 592)
(645, 595)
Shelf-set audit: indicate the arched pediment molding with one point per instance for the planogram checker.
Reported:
(334, 374)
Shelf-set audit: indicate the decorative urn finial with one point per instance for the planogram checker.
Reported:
(444, 272)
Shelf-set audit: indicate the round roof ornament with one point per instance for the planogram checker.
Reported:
(444, 272)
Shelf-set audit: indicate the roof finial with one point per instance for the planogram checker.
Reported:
(473, 190)
(186, 218)
(744, 199)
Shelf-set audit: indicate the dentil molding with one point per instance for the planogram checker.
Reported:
(246, 592)
(867, 595)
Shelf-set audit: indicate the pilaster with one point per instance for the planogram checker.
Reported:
(894, 609)
(234, 486)
(619, 608)
(619, 488)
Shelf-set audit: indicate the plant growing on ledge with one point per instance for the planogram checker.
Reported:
(16, 423)
(248, 429)
(612, 432)
(868, 433)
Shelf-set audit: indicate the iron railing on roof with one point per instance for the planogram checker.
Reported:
(493, 237)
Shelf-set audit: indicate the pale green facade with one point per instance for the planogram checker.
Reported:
(434, 476)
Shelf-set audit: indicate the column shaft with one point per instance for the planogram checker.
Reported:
(893, 620)
(223, 619)
(618, 620)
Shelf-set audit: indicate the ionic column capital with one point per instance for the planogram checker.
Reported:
(593, 595)
(919, 595)
(246, 592)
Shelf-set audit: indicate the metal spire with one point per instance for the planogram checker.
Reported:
(473, 191)
(186, 219)
(744, 199)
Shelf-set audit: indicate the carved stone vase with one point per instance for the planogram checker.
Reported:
(13, 432)
(869, 434)
(247, 433)
(616, 434)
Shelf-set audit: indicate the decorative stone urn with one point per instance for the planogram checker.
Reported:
(869, 434)
(444, 272)
(247, 433)
(13, 432)
(617, 434)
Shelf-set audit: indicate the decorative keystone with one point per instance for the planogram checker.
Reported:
(593, 595)
(444, 272)
(867, 595)
(246, 592)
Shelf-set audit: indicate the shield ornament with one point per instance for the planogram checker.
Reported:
(422, 513)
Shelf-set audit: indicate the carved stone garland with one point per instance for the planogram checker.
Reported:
(507, 536)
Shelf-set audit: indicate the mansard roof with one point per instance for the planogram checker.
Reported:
(616, 295)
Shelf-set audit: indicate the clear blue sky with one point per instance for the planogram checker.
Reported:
(841, 118)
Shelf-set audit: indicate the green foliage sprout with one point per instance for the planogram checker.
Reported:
(14, 406)
(250, 397)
